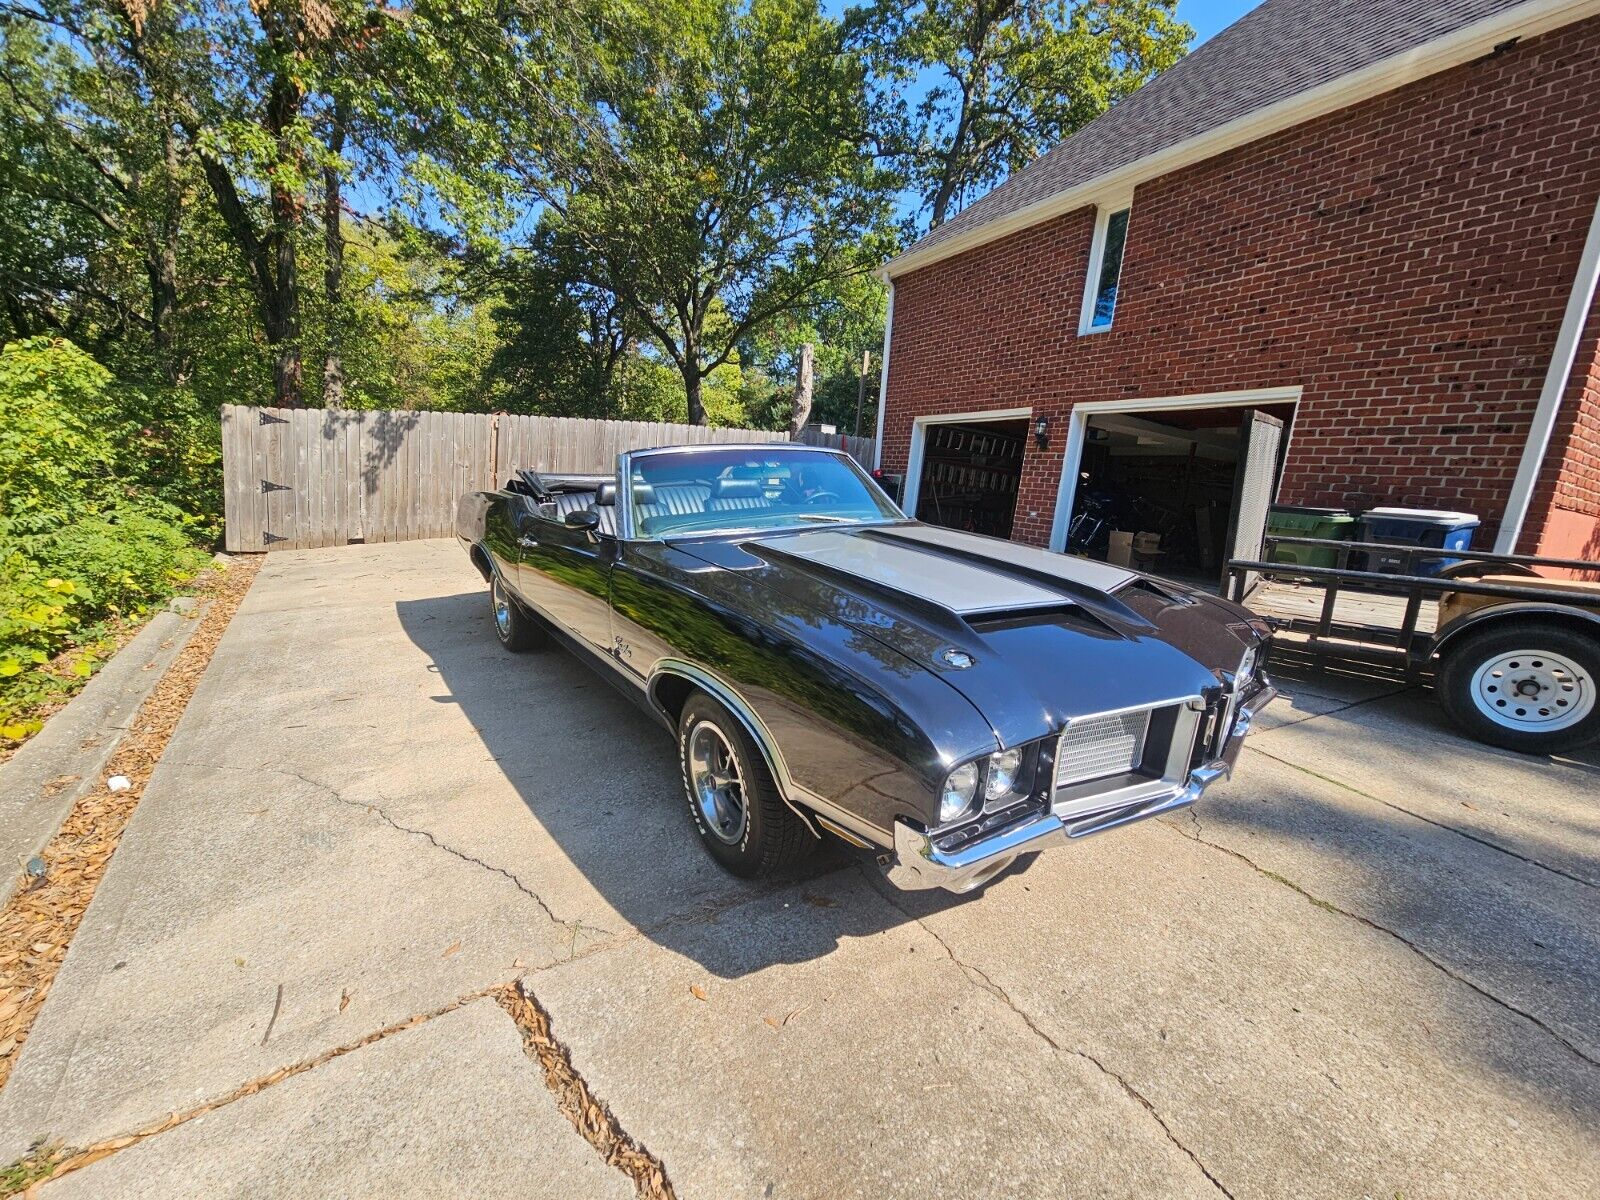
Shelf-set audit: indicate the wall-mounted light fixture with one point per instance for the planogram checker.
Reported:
(1041, 432)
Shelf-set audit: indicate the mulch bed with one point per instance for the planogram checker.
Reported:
(37, 923)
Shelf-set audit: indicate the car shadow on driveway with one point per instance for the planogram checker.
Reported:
(601, 779)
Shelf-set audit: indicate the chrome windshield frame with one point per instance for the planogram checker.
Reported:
(625, 461)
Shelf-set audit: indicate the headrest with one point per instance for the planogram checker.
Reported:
(735, 489)
(644, 493)
(606, 493)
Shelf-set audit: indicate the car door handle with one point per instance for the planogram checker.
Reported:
(528, 542)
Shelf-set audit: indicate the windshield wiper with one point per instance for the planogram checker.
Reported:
(823, 517)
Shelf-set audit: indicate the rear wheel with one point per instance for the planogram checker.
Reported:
(516, 630)
(1528, 685)
(733, 800)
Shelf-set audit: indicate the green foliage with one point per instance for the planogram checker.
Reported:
(411, 338)
(844, 321)
(566, 338)
(54, 448)
(83, 538)
(715, 172)
(1004, 81)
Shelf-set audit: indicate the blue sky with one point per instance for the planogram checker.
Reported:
(1210, 16)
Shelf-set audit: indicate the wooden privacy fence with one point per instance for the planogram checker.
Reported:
(298, 478)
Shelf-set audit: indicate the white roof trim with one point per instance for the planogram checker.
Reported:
(1461, 46)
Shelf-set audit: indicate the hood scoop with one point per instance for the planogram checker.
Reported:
(1070, 616)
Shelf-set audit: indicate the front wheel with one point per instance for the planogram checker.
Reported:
(733, 800)
(1528, 686)
(515, 629)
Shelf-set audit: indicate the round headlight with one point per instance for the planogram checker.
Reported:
(1002, 778)
(959, 790)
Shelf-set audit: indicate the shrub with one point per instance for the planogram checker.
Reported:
(54, 447)
(82, 541)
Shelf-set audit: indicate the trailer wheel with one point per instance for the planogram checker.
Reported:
(1524, 685)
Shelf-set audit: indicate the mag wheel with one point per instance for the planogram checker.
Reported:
(515, 629)
(1528, 686)
(733, 800)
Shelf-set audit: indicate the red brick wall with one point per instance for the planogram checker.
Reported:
(1564, 521)
(1405, 261)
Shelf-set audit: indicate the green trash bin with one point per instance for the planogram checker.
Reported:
(1329, 524)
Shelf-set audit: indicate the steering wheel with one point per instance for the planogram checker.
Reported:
(821, 497)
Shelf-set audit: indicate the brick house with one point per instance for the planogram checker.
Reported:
(1374, 221)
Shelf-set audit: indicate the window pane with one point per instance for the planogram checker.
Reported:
(1105, 293)
(714, 490)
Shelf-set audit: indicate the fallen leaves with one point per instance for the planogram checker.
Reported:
(38, 922)
(587, 1112)
(698, 992)
(344, 999)
(452, 948)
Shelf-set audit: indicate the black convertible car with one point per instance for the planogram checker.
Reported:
(948, 700)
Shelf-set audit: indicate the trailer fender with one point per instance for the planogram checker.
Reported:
(1582, 619)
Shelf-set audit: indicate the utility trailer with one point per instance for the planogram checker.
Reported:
(1515, 654)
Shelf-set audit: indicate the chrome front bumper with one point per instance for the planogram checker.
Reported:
(917, 864)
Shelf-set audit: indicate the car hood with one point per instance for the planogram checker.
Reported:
(1029, 637)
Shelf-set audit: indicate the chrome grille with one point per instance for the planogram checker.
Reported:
(1094, 747)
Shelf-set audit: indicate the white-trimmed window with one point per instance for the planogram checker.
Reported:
(1105, 265)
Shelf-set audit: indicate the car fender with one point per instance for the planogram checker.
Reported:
(728, 696)
(1586, 620)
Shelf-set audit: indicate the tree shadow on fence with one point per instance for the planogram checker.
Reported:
(383, 433)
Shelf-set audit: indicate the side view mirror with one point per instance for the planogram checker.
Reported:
(583, 518)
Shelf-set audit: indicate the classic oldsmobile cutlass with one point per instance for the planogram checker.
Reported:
(948, 700)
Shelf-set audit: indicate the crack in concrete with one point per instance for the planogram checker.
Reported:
(1437, 824)
(574, 926)
(705, 914)
(979, 978)
(1329, 906)
(54, 1161)
(1344, 707)
(1143, 1101)
(590, 1115)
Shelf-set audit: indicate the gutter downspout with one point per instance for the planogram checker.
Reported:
(1555, 385)
(883, 380)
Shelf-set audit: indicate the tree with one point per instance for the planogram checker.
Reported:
(844, 320)
(1001, 81)
(270, 106)
(566, 338)
(89, 220)
(711, 163)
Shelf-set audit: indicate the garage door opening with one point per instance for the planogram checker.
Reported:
(969, 474)
(1178, 491)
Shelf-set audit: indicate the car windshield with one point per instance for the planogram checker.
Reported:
(716, 491)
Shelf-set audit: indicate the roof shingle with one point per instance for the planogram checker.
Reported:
(1274, 52)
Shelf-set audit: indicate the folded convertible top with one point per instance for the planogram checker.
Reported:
(546, 484)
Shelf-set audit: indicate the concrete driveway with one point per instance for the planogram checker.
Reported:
(1367, 967)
